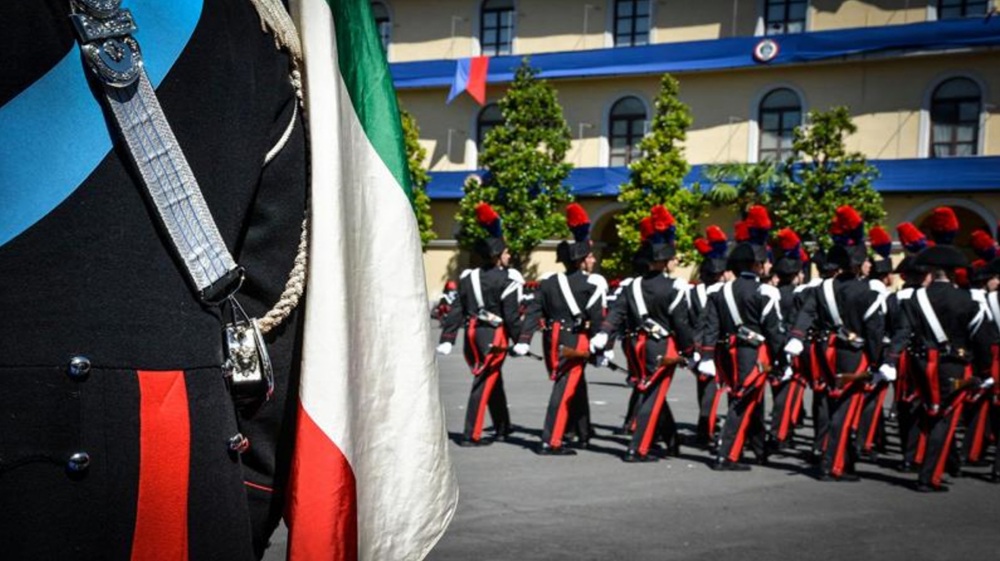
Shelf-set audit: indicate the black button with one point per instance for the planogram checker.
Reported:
(78, 462)
(79, 367)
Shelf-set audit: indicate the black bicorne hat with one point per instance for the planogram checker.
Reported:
(941, 257)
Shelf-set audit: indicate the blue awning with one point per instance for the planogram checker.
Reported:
(718, 54)
(918, 175)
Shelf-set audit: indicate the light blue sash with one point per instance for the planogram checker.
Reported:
(53, 135)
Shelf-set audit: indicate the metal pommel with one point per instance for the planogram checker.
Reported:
(105, 34)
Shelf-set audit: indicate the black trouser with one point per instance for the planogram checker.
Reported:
(976, 420)
(819, 369)
(653, 416)
(908, 416)
(940, 427)
(787, 403)
(839, 455)
(871, 426)
(487, 385)
(745, 419)
(568, 406)
(708, 406)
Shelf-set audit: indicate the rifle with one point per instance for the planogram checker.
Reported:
(575, 354)
(491, 352)
(845, 378)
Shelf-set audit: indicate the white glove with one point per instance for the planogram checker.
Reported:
(707, 368)
(598, 342)
(787, 375)
(794, 347)
(609, 355)
(987, 384)
(444, 348)
(603, 360)
(888, 373)
(521, 349)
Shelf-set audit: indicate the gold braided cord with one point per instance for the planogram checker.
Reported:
(294, 287)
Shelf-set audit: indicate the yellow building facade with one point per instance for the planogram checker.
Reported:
(920, 78)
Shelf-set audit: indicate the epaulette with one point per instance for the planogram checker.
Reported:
(877, 286)
(904, 294)
(515, 275)
(682, 285)
(465, 273)
(714, 288)
(599, 281)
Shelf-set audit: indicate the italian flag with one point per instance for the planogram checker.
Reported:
(371, 477)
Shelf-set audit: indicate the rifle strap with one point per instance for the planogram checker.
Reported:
(831, 303)
(931, 316)
(477, 289)
(734, 312)
(993, 298)
(640, 301)
(681, 293)
(567, 295)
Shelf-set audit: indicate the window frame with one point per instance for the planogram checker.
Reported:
(763, 8)
(632, 152)
(496, 31)
(781, 112)
(615, 17)
(953, 143)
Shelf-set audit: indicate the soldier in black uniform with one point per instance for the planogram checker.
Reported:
(871, 423)
(571, 305)
(654, 308)
(711, 274)
(847, 315)
(113, 388)
(488, 307)
(743, 318)
(952, 350)
(788, 387)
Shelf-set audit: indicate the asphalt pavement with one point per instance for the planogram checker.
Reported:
(516, 505)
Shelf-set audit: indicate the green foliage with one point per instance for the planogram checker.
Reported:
(803, 192)
(415, 156)
(523, 159)
(657, 178)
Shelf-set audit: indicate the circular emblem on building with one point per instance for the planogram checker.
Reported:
(765, 50)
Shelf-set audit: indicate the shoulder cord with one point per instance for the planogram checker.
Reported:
(275, 19)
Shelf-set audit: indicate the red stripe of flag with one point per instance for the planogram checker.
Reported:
(476, 86)
(161, 520)
(322, 507)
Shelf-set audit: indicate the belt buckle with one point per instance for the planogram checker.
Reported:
(105, 34)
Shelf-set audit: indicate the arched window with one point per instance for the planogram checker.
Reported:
(496, 27)
(383, 23)
(780, 112)
(626, 126)
(955, 108)
(631, 23)
(489, 117)
(951, 9)
(784, 16)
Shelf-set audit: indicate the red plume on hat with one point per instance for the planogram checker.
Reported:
(664, 225)
(984, 245)
(847, 227)
(717, 239)
(758, 223)
(703, 247)
(489, 219)
(913, 239)
(741, 232)
(646, 228)
(881, 241)
(788, 242)
(578, 222)
(943, 225)
(962, 277)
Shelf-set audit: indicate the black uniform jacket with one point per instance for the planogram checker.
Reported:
(588, 290)
(759, 309)
(501, 293)
(96, 278)
(666, 303)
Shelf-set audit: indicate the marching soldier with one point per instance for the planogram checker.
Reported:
(983, 281)
(953, 344)
(488, 307)
(993, 301)
(654, 309)
(744, 319)
(711, 273)
(871, 421)
(848, 316)
(789, 386)
(571, 305)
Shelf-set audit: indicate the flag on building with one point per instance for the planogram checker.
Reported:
(470, 76)
(371, 477)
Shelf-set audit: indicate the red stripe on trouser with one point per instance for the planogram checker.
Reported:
(942, 458)
(921, 453)
(322, 505)
(553, 362)
(933, 385)
(713, 414)
(738, 441)
(559, 428)
(470, 335)
(876, 416)
(161, 519)
(853, 411)
(491, 380)
(978, 432)
(800, 394)
(654, 415)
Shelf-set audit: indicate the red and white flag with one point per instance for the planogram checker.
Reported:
(371, 478)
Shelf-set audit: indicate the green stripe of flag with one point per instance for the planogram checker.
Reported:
(366, 73)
